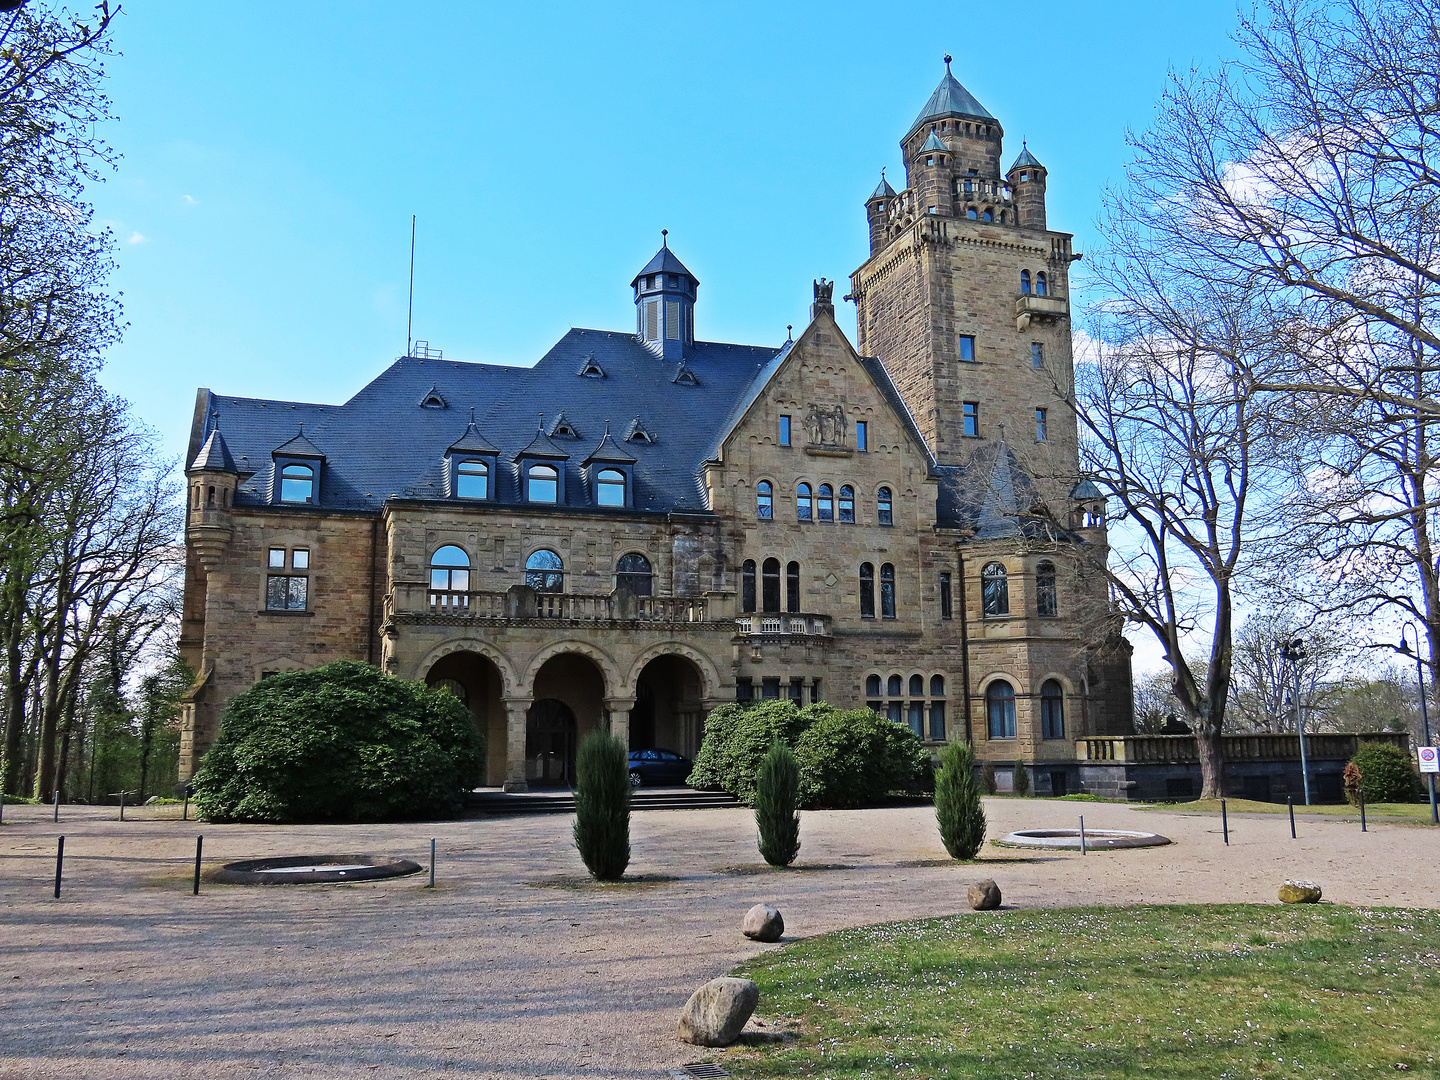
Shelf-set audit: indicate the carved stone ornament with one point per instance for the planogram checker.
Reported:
(827, 429)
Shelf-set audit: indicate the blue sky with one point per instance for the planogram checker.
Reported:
(273, 155)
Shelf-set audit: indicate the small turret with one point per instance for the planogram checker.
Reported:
(211, 479)
(930, 175)
(877, 212)
(665, 303)
(1027, 180)
(1087, 513)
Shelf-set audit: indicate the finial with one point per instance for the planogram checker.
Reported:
(789, 332)
(472, 414)
(540, 426)
(302, 427)
(664, 238)
(607, 429)
(214, 418)
(882, 174)
(947, 63)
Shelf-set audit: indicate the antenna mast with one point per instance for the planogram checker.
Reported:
(410, 312)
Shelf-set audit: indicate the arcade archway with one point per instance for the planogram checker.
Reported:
(669, 710)
(476, 681)
(569, 703)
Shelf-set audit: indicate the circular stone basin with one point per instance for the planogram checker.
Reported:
(1095, 839)
(313, 869)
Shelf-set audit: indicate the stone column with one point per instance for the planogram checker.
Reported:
(515, 709)
(617, 716)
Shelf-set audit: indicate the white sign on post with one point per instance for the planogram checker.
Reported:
(1429, 759)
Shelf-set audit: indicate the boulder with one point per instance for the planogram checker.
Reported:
(1300, 892)
(985, 895)
(763, 923)
(716, 1013)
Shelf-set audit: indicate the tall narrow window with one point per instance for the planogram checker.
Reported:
(862, 435)
(792, 587)
(867, 591)
(917, 685)
(887, 591)
(1040, 284)
(1037, 354)
(745, 689)
(967, 348)
(945, 597)
(297, 484)
(894, 686)
(764, 500)
(937, 721)
(937, 685)
(1052, 710)
(747, 586)
(917, 718)
(827, 503)
(847, 503)
(872, 686)
(770, 585)
(472, 480)
(883, 507)
(1040, 427)
(784, 431)
(610, 488)
(633, 572)
(1025, 282)
(804, 502)
(970, 412)
(994, 590)
(1000, 709)
(545, 571)
(1047, 596)
(544, 484)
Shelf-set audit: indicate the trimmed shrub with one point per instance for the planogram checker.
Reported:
(1021, 783)
(957, 802)
(344, 742)
(602, 805)
(737, 738)
(987, 778)
(777, 805)
(855, 758)
(1386, 775)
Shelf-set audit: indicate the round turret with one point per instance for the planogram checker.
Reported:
(1027, 181)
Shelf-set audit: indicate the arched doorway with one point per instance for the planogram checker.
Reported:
(569, 695)
(669, 709)
(476, 681)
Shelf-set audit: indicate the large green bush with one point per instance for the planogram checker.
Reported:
(958, 810)
(602, 805)
(344, 742)
(777, 805)
(737, 737)
(856, 757)
(1386, 775)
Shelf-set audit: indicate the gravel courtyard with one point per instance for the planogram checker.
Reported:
(516, 966)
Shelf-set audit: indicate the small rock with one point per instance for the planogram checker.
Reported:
(152, 800)
(763, 923)
(985, 895)
(716, 1013)
(1300, 892)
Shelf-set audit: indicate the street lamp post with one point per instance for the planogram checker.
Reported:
(1294, 651)
(1424, 710)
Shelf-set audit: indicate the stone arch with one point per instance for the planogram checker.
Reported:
(608, 669)
(1014, 680)
(511, 684)
(709, 676)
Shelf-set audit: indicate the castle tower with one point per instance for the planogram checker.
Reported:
(211, 480)
(965, 296)
(665, 303)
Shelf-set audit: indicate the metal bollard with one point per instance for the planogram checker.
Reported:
(57, 804)
(432, 864)
(1362, 811)
(122, 806)
(199, 843)
(59, 865)
(1291, 800)
(185, 810)
(1082, 835)
(1225, 822)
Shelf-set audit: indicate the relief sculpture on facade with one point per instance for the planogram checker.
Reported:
(825, 426)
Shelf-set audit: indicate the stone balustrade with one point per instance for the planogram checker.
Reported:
(1180, 749)
(793, 623)
(521, 602)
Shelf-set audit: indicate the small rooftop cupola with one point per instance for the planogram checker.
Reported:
(470, 465)
(299, 464)
(665, 303)
(877, 212)
(1027, 180)
(211, 478)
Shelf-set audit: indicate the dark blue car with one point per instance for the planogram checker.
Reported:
(658, 767)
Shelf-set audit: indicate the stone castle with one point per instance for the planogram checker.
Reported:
(644, 525)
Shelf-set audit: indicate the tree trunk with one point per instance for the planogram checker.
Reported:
(1212, 758)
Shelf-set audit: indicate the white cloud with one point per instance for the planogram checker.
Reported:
(138, 238)
(190, 200)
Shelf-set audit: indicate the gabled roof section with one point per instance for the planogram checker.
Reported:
(610, 452)
(933, 144)
(542, 447)
(299, 446)
(214, 456)
(1026, 159)
(883, 190)
(951, 99)
(472, 442)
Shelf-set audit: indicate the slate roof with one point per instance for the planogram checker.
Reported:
(992, 495)
(883, 190)
(933, 143)
(214, 456)
(951, 99)
(1025, 158)
(664, 262)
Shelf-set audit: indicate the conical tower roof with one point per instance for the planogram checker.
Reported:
(883, 190)
(1025, 160)
(951, 99)
(933, 143)
(664, 262)
(214, 456)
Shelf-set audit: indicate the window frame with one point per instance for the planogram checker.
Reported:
(748, 592)
(630, 578)
(1025, 285)
(966, 345)
(970, 419)
(459, 475)
(531, 480)
(804, 501)
(764, 501)
(995, 591)
(1000, 710)
(544, 574)
(1047, 591)
(825, 503)
(1052, 710)
(887, 596)
(845, 512)
(1042, 427)
(862, 436)
(785, 430)
(867, 590)
(947, 599)
(450, 583)
(1037, 355)
(770, 597)
(602, 485)
(885, 506)
(792, 586)
(311, 481)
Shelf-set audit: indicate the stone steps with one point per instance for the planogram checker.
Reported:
(563, 802)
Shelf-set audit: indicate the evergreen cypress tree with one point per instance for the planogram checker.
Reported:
(602, 805)
(1021, 784)
(777, 805)
(957, 802)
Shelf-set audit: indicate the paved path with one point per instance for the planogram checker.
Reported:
(515, 966)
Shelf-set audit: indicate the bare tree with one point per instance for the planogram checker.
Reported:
(1265, 677)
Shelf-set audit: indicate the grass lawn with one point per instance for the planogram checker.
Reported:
(1407, 811)
(1185, 993)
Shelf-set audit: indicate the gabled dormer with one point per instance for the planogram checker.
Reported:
(299, 469)
(541, 471)
(562, 427)
(610, 472)
(471, 464)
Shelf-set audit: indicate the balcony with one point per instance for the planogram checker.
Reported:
(1180, 749)
(413, 601)
(1044, 309)
(791, 623)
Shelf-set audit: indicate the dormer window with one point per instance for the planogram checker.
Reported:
(610, 488)
(297, 483)
(637, 432)
(542, 484)
(562, 426)
(472, 480)
(433, 399)
(684, 376)
(589, 369)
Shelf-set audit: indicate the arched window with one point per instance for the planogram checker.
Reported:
(804, 502)
(971, 213)
(450, 570)
(883, 507)
(297, 484)
(544, 484)
(792, 587)
(937, 685)
(1047, 597)
(989, 214)
(1025, 282)
(610, 488)
(472, 480)
(1040, 284)
(633, 572)
(894, 686)
(764, 500)
(887, 591)
(1000, 709)
(872, 686)
(867, 591)
(827, 503)
(545, 572)
(770, 585)
(917, 685)
(847, 503)
(1052, 710)
(994, 590)
(747, 586)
